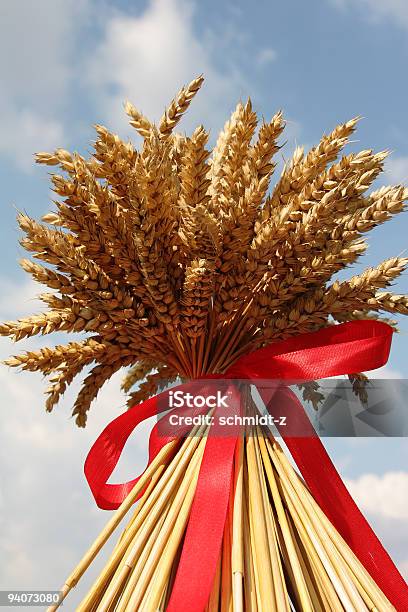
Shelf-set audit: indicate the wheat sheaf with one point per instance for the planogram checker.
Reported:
(175, 260)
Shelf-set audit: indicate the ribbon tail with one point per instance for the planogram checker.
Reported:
(202, 544)
(331, 494)
(203, 539)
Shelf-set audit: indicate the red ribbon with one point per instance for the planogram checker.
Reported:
(341, 349)
(198, 560)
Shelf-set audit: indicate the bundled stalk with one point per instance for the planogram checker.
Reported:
(174, 261)
(280, 552)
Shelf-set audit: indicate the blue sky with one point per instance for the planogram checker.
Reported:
(65, 65)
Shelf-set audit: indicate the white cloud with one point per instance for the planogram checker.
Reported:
(385, 373)
(144, 58)
(397, 170)
(24, 132)
(265, 56)
(18, 300)
(380, 10)
(386, 495)
(384, 501)
(404, 568)
(393, 534)
(147, 58)
(37, 40)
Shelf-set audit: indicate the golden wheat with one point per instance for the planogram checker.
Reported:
(176, 260)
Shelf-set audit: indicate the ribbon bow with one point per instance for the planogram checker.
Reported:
(341, 349)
